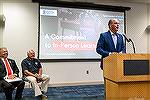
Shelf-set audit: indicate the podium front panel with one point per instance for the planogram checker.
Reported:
(136, 67)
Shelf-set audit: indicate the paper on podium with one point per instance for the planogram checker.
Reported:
(14, 80)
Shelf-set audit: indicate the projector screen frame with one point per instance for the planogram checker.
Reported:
(79, 5)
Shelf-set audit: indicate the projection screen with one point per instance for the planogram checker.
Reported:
(72, 33)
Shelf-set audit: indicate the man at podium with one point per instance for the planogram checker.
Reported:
(110, 41)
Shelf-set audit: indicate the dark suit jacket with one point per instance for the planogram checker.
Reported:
(13, 66)
(105, 45)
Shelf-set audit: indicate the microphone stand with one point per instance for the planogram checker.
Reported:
(129, 40)
(132, 45)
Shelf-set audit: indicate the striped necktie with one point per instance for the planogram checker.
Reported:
(8, 68)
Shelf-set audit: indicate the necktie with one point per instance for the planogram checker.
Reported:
(8, 68)
(114, 39)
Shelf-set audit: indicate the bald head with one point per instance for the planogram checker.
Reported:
(113, 25)
(31, 54)
(3, 52)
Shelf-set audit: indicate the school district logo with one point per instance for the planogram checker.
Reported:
(36, 63)
(46, 12)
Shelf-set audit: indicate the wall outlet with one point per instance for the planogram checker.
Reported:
(87, 72)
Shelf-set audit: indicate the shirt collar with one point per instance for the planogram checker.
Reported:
(3, 59)
(30, 59)
(113, 34)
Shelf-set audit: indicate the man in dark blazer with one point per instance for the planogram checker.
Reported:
(14, 74)
(110, 41)
(6, 87)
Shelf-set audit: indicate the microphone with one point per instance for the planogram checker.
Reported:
(129, 40)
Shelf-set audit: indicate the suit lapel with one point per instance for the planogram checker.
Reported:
(2, 63)
(3, 67)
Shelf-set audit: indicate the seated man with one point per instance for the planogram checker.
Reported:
(7, 88)
(10, 76)
(32, 71)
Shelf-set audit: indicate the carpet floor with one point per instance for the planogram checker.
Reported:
(81, 92)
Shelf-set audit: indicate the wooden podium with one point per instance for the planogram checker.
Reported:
(127, 77)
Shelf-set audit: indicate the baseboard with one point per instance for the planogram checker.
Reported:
(75, 84)
(28, 85)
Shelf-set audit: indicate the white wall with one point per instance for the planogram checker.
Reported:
(1, 26)
(21, 33)
(137, 21)
(148, 45)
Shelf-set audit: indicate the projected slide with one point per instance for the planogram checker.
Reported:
(71, 33)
